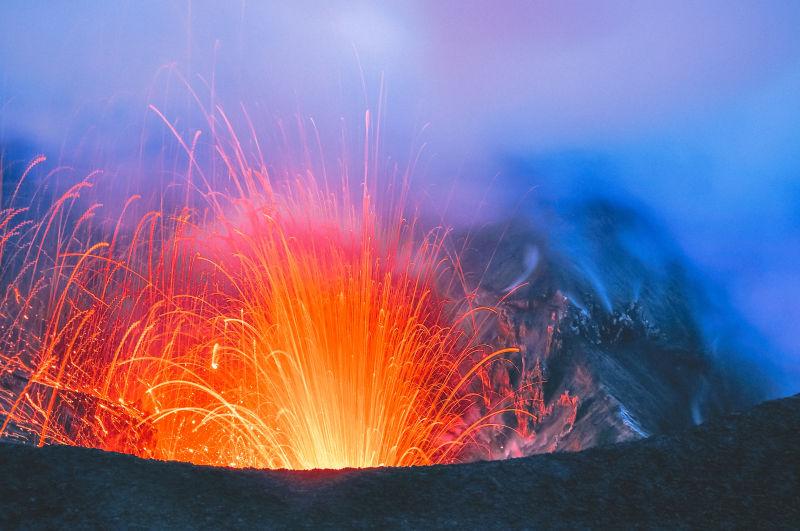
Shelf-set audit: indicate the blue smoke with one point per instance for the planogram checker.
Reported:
(689, 108)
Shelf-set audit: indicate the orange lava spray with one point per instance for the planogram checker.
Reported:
(298, 325)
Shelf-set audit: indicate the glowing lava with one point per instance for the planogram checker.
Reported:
(292, 326)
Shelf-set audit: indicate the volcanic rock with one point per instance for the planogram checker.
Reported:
(600, 299)
(741, 470)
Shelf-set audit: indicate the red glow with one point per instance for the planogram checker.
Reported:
(293, 325)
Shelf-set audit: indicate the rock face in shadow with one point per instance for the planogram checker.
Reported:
(601, 299)
(736, 471)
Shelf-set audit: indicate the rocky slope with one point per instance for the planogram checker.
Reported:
(742, 470)
(600, 298)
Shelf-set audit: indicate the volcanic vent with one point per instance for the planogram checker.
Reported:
(258, 312)
(260, 316)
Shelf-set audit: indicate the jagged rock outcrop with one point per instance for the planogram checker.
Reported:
(604, 303)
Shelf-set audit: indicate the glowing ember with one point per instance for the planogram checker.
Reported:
(292, 326)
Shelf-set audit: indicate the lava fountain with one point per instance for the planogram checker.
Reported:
(271, 321)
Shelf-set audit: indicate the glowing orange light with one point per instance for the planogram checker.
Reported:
(291, 327)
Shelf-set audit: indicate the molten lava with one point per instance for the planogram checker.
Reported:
(290, 325)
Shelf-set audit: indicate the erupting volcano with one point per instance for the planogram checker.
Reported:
(270, 316)
(401, 264)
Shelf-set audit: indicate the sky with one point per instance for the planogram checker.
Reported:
(690, 107)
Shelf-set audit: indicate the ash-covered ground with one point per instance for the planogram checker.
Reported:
(739, 471)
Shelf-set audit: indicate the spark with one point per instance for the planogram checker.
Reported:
(271, 325)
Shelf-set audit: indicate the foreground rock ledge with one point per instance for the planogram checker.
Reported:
(742, 470)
